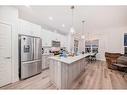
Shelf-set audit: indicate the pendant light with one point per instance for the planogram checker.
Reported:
(72, 24)
(82, 34)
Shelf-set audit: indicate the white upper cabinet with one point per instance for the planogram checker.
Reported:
(24, 27)
(28, 28)
(49, 36)
(36, 30)
(46, 37)
(62, 39)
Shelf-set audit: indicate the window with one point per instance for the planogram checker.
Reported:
(91, 46)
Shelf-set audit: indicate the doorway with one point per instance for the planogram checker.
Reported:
(5, 54)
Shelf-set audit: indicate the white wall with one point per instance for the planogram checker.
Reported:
(10, 15)
(110, 40)
(115, 39)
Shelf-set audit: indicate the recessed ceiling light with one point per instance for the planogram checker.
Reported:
(83, 37)
(72, 30)
(63, 25)
(50, 18)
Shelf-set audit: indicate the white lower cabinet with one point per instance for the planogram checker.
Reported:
(45, 61)
(28, 28)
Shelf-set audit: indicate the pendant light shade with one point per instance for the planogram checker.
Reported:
(72, 30)
(82, 35)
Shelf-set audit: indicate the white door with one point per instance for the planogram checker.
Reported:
(5, 54)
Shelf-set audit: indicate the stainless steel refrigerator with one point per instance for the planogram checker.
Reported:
(30, 60)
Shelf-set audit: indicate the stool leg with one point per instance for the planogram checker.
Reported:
(125, 72)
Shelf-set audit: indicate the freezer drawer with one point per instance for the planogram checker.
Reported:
(30, 68)
(37, 48)
(26, 48)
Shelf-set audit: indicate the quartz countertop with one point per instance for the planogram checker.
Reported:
(68, 59)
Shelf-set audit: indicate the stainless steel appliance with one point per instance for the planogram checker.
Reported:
(30, 60)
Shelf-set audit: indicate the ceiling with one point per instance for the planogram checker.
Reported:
(96, 17)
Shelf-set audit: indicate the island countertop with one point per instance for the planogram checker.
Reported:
(69, 59)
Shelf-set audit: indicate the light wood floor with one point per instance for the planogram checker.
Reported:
(96, 76)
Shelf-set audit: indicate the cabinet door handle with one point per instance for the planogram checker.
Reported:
(7, 57)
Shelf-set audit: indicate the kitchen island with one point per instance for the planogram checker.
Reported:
(65, 70)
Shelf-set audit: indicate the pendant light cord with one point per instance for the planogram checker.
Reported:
(83, 27)
(72, 8)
